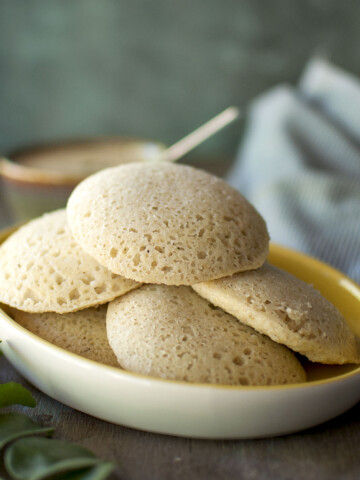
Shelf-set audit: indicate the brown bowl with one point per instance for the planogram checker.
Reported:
(40, 179)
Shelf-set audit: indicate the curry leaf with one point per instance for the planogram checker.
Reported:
(39, 458)
(35, 458)
(15, 425)
(13, 393)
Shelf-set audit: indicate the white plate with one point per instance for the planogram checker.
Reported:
(195, 410)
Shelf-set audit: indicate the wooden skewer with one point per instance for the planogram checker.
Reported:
(193, 139)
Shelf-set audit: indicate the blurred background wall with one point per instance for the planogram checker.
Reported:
(157, 69)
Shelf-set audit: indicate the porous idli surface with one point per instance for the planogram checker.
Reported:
(43, 269)
(82, 332)
(166, 223)
(173, 333)
(288, 310)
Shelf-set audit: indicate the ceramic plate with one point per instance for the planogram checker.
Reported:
(197, 410)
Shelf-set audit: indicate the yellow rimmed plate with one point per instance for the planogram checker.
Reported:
(197, 410)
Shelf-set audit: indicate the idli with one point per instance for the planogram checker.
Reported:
(43, 269)
(166, 223)
(82, 332)
(288, 310)
(173, 333)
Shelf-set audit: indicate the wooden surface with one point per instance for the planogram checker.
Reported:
(328, 452)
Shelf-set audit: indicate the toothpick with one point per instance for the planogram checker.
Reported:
(193, 139)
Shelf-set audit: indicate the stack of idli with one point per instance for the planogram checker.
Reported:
(161, 269)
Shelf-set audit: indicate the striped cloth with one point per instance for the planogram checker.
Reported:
(299, 164)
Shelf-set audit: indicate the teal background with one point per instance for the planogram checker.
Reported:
(156, 69)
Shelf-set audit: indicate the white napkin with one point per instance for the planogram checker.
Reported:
(299, 164)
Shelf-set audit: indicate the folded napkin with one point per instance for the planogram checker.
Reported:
(299, 164)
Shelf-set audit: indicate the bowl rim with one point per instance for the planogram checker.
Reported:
(16, 172)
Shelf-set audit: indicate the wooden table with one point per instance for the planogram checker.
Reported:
(328, 452)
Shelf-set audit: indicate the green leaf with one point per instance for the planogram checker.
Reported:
(39, 458)
(13, 393)
(99, 472)
(15, 425)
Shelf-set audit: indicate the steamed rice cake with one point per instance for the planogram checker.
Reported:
(166, 223)
(288, 310)
(82, 332)
(173, 333)
(43, 269)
